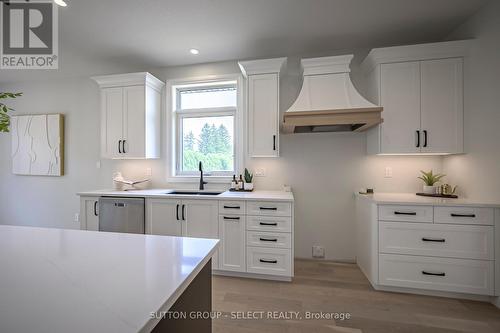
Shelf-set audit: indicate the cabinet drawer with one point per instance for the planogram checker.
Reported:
(437, 240)
(232, 207)
(269, 239)
(464, 215)
(444, 274)
(269, 223)
(405, 213)
(269, 208)
(269, 261)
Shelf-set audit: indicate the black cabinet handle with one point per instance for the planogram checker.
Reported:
(177, 211)
(463, 215)
(434, 274)
(436, 240)
(269, 224)
(268, 239)
(425, 138)
(405, 213)
(232, 207)
(418, 139)
(95, 208)
(123, 146)
(268, 261)
(231, 218)
(184, 212)
(274, 142)
(268, 208)
(119, 146)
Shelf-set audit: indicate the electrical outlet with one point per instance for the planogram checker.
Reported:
(77, 217)
(260, 172)
(149, 172)
(98, 164)
(388, 172)
(318, 252)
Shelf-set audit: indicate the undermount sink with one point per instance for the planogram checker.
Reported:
(193, 193)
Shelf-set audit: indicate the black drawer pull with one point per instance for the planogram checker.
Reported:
(405, 213)
(463, 215)
(120, 146)
(177, 212)
(232, 207)
(268, 208)
(434, 274)
(268, 239)
(437, 240)
(95, 208)
(266, 261)
(269, 224)
(231, 218)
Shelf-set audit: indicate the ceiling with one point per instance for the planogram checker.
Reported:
(159, 33)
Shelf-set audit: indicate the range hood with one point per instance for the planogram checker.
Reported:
(328, 101)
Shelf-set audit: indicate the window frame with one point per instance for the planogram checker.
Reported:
(175, 115)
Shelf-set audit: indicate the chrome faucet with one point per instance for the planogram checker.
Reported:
(202, 183)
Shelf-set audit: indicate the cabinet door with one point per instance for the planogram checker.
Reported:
(89, 213)
(232, 249)
(111, 122)
(263, 115)
(400, 97)
(134, 122)
(201, 221)
(442, 105)
(163, 217)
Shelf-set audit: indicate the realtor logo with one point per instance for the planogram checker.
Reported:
(29, 37)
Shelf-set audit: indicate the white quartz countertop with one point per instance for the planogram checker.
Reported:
(412, 199)
(55, 280)
(163, 193)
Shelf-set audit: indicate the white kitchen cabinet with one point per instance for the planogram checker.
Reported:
(130, 115)
(232, 249)
(421, 90)
(89, 213)
(262, 97)
(163, 217)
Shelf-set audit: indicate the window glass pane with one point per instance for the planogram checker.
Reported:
(209, 140)
(207, 98)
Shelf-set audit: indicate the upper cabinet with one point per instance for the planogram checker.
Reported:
(262, 100)
(130, 115)
(421, 90)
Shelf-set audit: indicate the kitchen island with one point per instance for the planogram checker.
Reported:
(56, 280)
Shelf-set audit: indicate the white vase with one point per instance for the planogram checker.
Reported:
(430, 189)
(248, 186)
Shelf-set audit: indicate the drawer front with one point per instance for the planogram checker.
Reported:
(464, 215)
(269, 239)
(443, 274)
(232, 207)
(437, 240)
(269, 223)
(405, 213)
(269, 261)
(269, 208)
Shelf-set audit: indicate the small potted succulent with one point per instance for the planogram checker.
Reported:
(248, 180)
(4, 116)
(430, 179)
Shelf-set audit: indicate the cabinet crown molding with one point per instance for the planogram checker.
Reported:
(429, 51)
(129, 79)
(262, 66)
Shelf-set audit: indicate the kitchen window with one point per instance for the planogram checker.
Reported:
(206, 128)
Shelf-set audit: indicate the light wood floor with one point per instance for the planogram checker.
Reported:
(333, 287)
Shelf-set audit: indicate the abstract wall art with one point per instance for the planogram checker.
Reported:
(38, 145)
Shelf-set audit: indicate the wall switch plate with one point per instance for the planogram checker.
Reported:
(98, 164)
(318, 252)
(149, 172)
(77, 217)
(260, 172)
(388, 172)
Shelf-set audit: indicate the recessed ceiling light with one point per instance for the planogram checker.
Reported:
(61, 3)
(194, 51)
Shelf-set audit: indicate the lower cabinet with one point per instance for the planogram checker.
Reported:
(232, 247)
(163, 217)
(89, 213)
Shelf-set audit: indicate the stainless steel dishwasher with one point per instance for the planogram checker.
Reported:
(121, 215)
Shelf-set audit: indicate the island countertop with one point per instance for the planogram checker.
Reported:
(56, 280)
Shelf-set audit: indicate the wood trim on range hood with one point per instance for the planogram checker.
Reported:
(328, 101)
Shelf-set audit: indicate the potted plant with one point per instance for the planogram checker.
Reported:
(248, 180)
(4, 116)
(430, 181)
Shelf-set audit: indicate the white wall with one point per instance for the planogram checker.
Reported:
(478, 172)
(324, 169)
